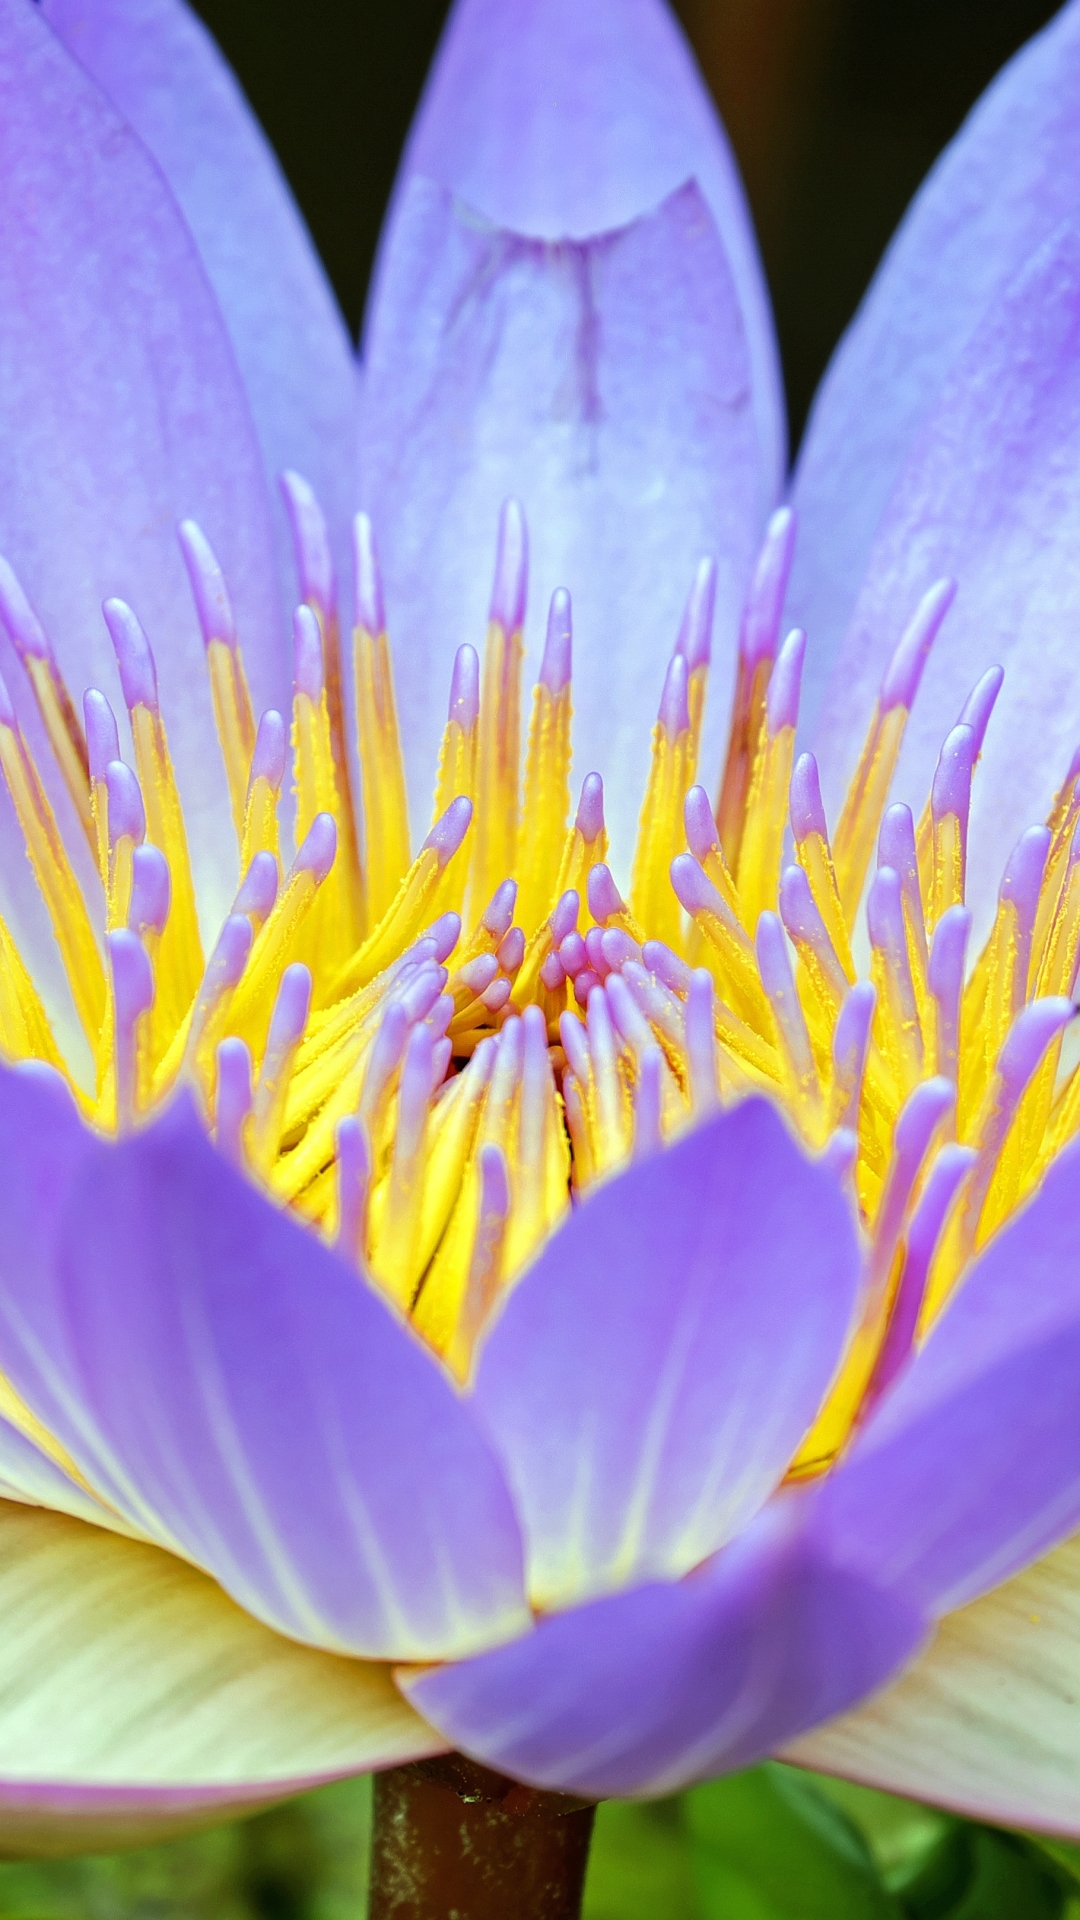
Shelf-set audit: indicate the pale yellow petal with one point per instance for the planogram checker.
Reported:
(987, 1720)
(136, 1699)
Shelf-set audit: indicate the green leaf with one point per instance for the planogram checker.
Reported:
(769, 1845)
(641, 1866)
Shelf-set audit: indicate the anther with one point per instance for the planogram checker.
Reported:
(138, 675)
(307, 654)
(287, 1024)
(648, 1137)
(920, 1242)
(950, 801)
(257, 891)
(464, 705)
(695, 630)
(759, 633)
(946, 981)
(701, 1052)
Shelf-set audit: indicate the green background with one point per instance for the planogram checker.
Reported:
(770, 1844)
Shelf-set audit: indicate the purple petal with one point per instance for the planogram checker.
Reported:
(559, 121)
(163, 73)
(237, 1394)
(646, 1691)
(970, 1467)
(137, 1700)
(123, 412)
(985, 1720)
(998, 190)
(652, 1374)
(605, 384)
(990, 495)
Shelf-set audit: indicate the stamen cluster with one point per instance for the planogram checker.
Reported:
(427, 1058)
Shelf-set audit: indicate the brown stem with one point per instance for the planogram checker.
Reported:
(453, 1841)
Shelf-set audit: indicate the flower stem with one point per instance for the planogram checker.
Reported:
(453, 1841)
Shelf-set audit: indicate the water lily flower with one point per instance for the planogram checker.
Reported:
(594, 1283)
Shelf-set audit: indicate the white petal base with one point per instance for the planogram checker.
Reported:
(987, 1720)
(136, 1699)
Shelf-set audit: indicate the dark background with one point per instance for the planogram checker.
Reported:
(836, 109)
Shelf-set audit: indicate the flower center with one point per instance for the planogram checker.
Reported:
(426, 1058)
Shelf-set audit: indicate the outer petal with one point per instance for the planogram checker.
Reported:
(1005, 182)
(560, 121)
(644, 1692)
(122, 411)
(237, 1393)
(653, 1373)
(971, 1467)
(135, 1699)
(986, 1719)
(990, 494)
(163, 73)
(606, 384)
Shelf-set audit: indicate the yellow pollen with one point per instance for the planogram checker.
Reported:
(433, 1096)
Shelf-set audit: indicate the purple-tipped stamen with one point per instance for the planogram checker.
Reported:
(701, 1051)
(24, 629)
(807, 808)
(353, 1180)
(951, 791)
(126, 813)
(317, 853)
(133, 995)
(700, 824)
(510, 587)
(258, 889)
(449, 831)
(923, 1113)
(896, 849)
(674, 714)
(605, 900)
(589, 820)
(980, 704)
(151, 891)
(311, 543)
(556, 666)
(946, 978)
(695, 631)
(648, 1138)
(268, 759)
(510, 951)
(920, 1244)
(850, 1046)
(885, 925)
(386, 1051)
(765, 601)
(465, 689)
(498, 917)
(445, 932)
(307, 654)
(564, 917)
(905, 669)
(782, 700)
(774, 965)
(138, 675)
(369, 606)
(232, 1099)
(800, 915)
(208, 589)
(102, 737)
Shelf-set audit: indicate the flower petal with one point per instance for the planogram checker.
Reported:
(996, 193)
(986, 1720)
(560, 121)
(991, 495)
(164, 74)
(603, 382)
(31, 1475)
(122, 411)
(136, 1699)
(970, 1468)
(652, 1374)
(238, 1394)
(646, 1691)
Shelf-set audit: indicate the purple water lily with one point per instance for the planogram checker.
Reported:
(529, 1295)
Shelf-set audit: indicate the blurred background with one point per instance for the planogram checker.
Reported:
(836, 109)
